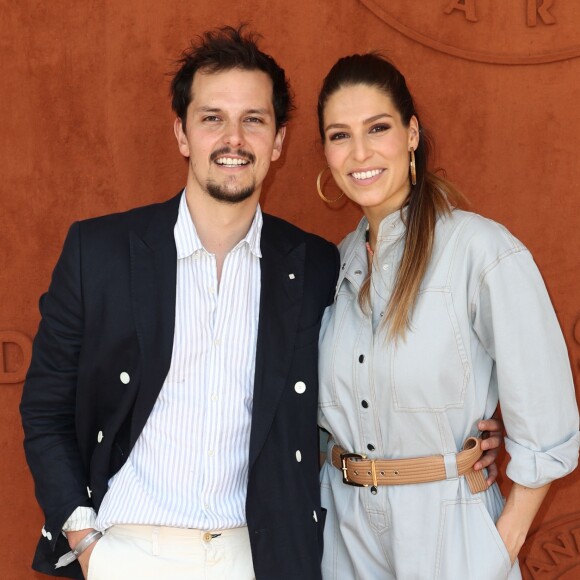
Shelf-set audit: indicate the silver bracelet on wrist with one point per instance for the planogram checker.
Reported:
(71, 556)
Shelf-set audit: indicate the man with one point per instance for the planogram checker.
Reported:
(171, 400)
(172, 394)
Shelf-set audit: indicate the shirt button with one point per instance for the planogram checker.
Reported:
(217, 341)
(210, 452)
(43, 532)
(300, 387)
(361, 358)
(100, 436)
(370, 447)
(48, 536)
(364, 404)
(211, 289)
(385, 266)
(207, 537)
(214, 397)
(298, 456)
(125, 378)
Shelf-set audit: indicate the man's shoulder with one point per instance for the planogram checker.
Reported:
(133, 217)
(134, 214)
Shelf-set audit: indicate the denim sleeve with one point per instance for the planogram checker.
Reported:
(516, 323)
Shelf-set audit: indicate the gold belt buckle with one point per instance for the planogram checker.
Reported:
(344, 468)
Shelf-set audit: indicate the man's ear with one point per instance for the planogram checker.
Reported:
(278, 141)
(181, 137)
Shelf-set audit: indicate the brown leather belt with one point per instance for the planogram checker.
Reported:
(359, 471)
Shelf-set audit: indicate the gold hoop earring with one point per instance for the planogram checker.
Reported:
(412, 166)
(319, 188)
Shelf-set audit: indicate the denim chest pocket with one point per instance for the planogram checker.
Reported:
(429, 368)
(337, 338)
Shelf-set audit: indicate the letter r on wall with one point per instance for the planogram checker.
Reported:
(542, 8)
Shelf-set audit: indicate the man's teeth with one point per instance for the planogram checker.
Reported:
(230, 162)
(366, 174)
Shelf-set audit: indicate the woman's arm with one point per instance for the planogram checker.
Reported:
(520, 509)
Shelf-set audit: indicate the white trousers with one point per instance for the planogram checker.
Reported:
(131, 552)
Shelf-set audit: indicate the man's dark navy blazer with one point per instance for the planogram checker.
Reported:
(110, 309)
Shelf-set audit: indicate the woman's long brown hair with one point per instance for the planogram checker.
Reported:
(430, 197)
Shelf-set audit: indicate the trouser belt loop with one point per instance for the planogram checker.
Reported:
(450, 460)
(155, 541)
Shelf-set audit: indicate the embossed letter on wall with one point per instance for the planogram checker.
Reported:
(542, 10)
(555, 551)
(467, 6)
(15, 354)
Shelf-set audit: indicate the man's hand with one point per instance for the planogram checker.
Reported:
(73, 539)
(492, 442)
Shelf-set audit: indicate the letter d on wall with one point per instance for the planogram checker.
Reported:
(15, 354)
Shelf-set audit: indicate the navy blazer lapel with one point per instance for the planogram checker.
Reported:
(282, 282)
(153, 286)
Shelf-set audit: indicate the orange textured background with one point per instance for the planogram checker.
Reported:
(86, 129)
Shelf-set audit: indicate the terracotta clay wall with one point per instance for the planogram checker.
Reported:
(86, 129)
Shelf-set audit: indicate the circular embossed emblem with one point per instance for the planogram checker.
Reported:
(554, 551)
(514, 32)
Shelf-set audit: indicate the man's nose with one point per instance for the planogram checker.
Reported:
(234, 135)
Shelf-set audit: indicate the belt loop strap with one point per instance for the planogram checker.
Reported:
(476, 481)
(450, 460)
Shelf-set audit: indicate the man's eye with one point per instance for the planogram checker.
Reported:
(253, 120)
(211, 119)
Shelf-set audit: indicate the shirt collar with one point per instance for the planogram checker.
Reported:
(187, 241)
(393, 225)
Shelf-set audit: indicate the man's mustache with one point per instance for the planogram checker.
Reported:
(228, 151)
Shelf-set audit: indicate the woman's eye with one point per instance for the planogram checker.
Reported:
(337, 136)
(379, 128)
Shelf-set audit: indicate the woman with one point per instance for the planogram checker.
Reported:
(438, 313)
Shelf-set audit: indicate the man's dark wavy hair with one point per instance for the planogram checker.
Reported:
(224, 49)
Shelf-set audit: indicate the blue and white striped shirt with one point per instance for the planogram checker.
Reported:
(189, 467)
